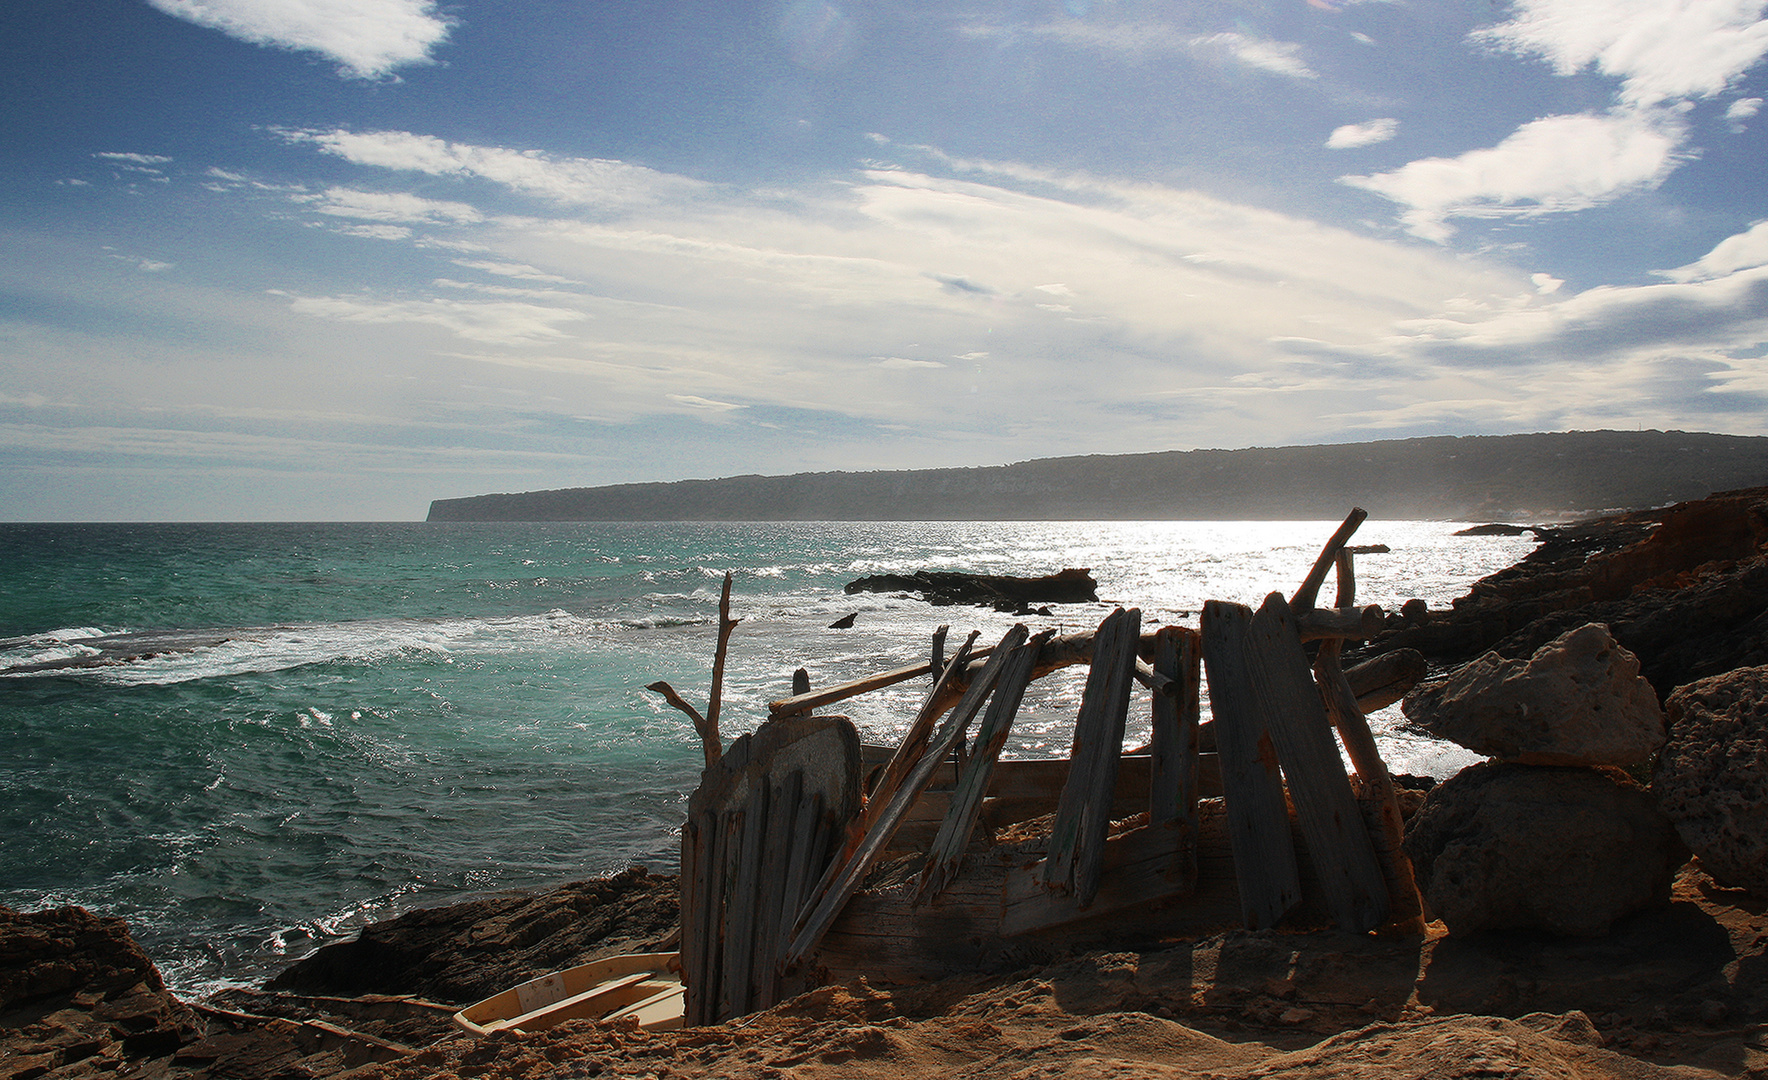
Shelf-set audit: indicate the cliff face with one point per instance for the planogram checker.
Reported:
(1470, 478)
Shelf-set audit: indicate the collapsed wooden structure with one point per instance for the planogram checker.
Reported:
(803, 861)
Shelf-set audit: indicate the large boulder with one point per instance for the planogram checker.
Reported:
(1712, 778)
(1502, 846)
(1578, 701)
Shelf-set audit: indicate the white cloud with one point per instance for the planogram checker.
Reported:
(1741, 110)
(367, 38)
(1546, 284)
(1351, 136)
(903, 363)
(136, 159)
(706, 404)
(501, 323)
(1275, 57)
(1551, 165)
(1661, 50)
(389, 206)
(578, 181)
(1138, 41)
(1743, 251)
(377, 232)
(514, 270)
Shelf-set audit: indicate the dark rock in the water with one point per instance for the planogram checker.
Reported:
(1494, 529)
(79, 997)
(845, 622)
(1579, 700)
(1712, 778)
(1567, 850)
(1685, 589)
(472, 950)
(1003, 593)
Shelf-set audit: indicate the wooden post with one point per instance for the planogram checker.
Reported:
(1252, 785)
(714, 701)
(914, 744)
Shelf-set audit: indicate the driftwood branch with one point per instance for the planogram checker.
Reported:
(708, 734)
(1310, 585)
(714, 700)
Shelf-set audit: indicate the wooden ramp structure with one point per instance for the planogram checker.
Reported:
(803, 863)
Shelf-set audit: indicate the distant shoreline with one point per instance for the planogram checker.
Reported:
(1538, 478)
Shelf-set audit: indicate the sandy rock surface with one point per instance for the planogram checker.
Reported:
(1712, 778)
(1579, 700)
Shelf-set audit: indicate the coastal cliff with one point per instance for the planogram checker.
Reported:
(1475, 478)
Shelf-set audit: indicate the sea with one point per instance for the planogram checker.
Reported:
(249, 740)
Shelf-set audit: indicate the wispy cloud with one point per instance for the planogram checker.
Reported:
(1143, 40)
(1740, 111)
(571, 181)
(367, 38)
(387, 206)
(1351, 136)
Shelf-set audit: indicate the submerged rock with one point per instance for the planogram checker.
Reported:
(1578, 701)
(1004, 593)
(1501, 846)
(1712, 778)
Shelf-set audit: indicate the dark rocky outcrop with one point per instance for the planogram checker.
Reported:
(1684, 589)
(1712, 778)
(471, 950)
(79, 996)
(1003, 593)
(1579, 700)
(1565, 850)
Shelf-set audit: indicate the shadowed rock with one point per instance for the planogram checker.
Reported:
(1712, 778)
(1001, 592)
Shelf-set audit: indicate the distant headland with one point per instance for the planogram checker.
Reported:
(1463, 478)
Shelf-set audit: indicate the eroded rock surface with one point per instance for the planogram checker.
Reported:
(1501, 846)
(1712, 778)
(1579, 700)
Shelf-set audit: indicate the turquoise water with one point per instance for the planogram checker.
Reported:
(271, 734)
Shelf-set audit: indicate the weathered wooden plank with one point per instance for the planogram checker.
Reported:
(833, 892)
(776, 861)
(1172, 788)
(695, 836)
(1077, 835)
(1325, 806)
(966, 800)
(1340, 624)
(1252, 784)
(742, 874)
(1135, 867)
(914, 744)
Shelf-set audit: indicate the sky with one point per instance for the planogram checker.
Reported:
(332, 259)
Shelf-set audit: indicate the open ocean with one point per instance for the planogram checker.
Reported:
(306, 727)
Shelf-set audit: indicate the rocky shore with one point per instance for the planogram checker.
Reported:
(1664, 974)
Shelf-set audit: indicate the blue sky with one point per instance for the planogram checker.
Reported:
(270, 259)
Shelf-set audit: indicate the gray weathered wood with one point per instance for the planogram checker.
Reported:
(966, 800)
(1252, 783)
(1325, 806)
(776, 862)
(1083, 813)
(914, 744)
(832, 893)
(1173, 787)
(1135, 864)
